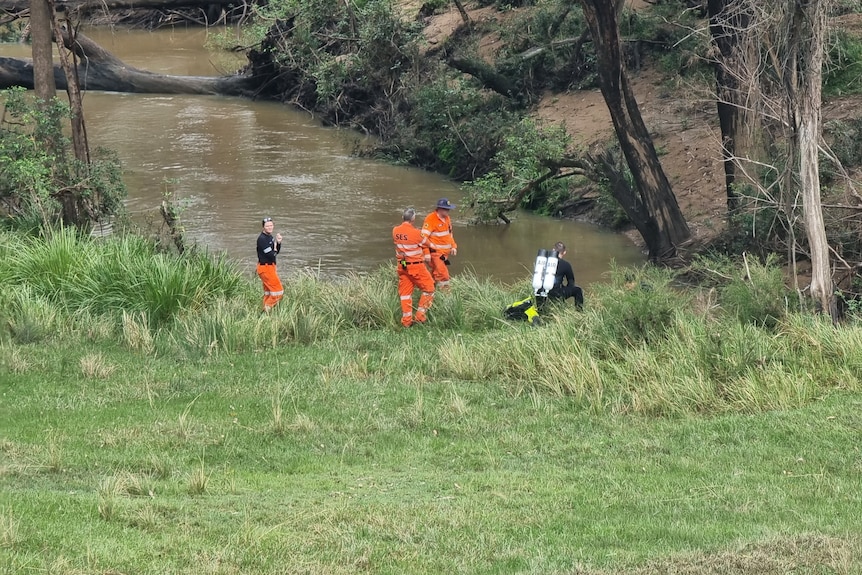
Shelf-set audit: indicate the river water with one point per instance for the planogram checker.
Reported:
(232, 161)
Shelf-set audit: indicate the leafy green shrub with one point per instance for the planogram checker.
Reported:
(841, 7)
(334, 57)
(639, 305)
(433, 6)
(449, 126)
(506, 4)
(757, 226)
(757, 293)
(343, 60)
(519, 167)
(845, 142)
(38, 166)
(843, 73)
(539, 51)
(664, 31)
(12, 31)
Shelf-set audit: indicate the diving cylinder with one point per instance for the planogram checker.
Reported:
(539, 271)
(550, 272)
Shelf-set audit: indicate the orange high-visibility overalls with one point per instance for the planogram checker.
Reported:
(440, 242)
(411, 250)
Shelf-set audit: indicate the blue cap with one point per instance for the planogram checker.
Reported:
(445, 204)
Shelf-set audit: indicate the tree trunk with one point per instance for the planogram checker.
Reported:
(79, 132)
(45, 87)
(83, 5)
(663, 226)
(486, 74)
(729, 26)
(41, 34)
(101, 70)
(464, 16)
(809, 35)
(75, 204)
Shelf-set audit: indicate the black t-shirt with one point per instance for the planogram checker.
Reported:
(267, 248)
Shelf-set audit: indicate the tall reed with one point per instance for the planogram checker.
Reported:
(642, 344)
(116, 275)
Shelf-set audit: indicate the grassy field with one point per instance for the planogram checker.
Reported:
(153, 421)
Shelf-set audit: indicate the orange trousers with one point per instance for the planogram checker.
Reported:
(272, 288)
(410, 277)
(440, 271)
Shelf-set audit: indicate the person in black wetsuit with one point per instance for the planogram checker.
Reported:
(564, 282)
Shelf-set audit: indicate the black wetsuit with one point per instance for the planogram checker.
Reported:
(564, 284)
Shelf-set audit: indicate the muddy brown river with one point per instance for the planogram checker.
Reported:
(231, 161)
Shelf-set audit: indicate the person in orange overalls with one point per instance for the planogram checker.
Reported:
(441, 243)
(411, 251)
(267, 248)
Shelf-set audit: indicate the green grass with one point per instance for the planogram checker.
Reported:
(656, 431)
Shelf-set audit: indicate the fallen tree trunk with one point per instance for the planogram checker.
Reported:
(486, 74)
(19, 72)
(100, 70)
(72, 5)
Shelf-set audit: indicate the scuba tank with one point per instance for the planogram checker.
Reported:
(550, 272)
(539, 271)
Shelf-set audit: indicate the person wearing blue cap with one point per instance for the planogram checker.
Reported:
(438, 229)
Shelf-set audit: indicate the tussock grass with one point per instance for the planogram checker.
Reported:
(360, 301)
(120, 274)
(93, 366)
(98, 328)
(13, 359)
(199, 480)
(302, 423)
(110, 490)
(15, 461)
(27, 316)
(53, 453)
(136, 486)
(137, 334)
(278, 425)
(146, 518)
(641, 346)
(157, 467)
(10, 531)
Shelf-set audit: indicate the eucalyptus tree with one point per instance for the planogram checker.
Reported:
(49, 182)
(652, 205)
(41, 43)
(769, 62)
(729, 22)
(807, 37)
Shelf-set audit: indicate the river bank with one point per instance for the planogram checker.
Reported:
(488, 47)
(228, 162)
(457, 120)
(469, 125)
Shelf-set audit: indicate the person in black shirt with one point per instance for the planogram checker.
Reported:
(268, 248)
(564, 282)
